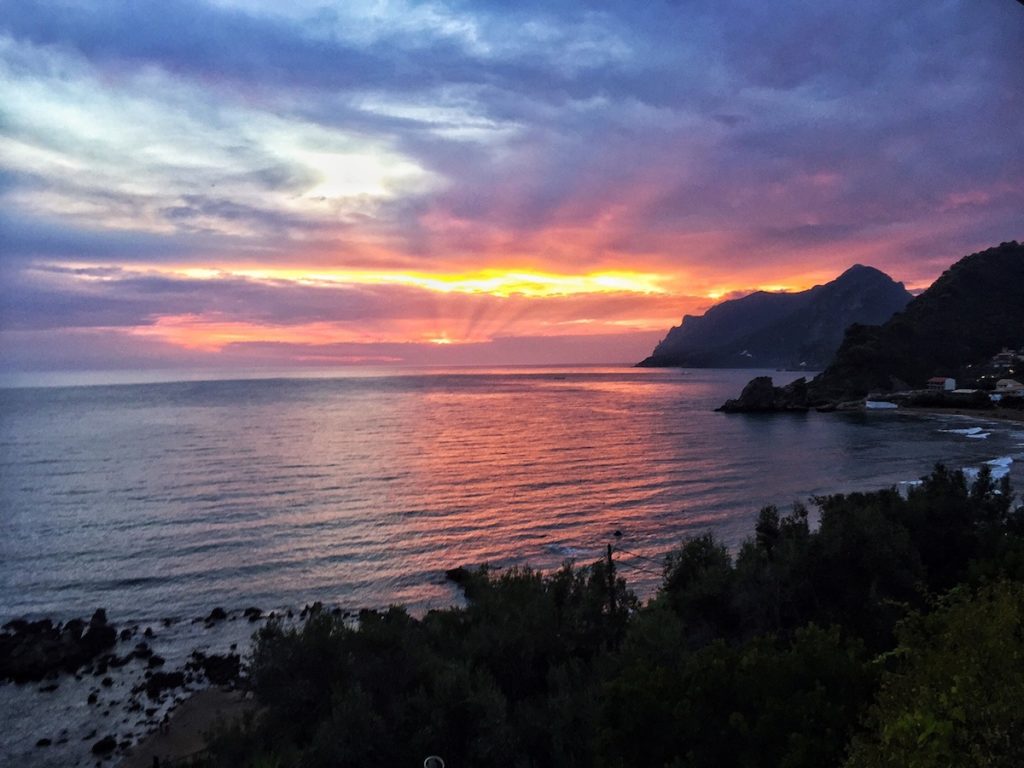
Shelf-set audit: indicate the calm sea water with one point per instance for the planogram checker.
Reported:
(157, 500)
(163, 500)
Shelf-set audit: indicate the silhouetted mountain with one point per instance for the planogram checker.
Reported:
(969, 314)
(773, 330)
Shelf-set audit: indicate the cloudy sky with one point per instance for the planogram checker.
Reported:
(246, 183)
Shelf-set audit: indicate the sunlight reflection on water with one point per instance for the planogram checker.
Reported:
(165, 499)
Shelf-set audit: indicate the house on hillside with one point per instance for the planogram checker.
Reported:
(941, 384)
(1007, 358)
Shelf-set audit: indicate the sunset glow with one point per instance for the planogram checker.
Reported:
(494, 282)
(235, 183)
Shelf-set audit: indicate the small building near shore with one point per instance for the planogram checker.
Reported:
(941, 384)
(1009, 387)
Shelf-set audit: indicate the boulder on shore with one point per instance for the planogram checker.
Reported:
(762, 396)
(33, 650)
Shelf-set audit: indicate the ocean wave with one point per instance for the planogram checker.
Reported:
(1000, 466)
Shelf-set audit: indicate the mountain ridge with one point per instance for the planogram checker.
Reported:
(770, 330)
(973, 310)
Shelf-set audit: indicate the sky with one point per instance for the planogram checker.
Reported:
(252, 183)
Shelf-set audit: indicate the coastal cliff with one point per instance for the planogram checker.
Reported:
(971, 312)
(790, 330)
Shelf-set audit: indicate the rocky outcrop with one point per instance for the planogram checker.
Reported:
(33, 650)
(104, 746)
(762, 396)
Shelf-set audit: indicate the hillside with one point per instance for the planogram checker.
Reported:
(771, 330)
(970, 313)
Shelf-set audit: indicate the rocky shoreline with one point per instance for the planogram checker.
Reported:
(89, 691)
(112, 684)
(760, 395)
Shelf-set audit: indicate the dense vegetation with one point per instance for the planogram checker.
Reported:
(970, 313)
(891, 633)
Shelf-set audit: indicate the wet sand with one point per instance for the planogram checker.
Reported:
(189, 722)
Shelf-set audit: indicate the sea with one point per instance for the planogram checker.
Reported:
(161, 500)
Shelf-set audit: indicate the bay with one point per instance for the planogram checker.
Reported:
(164, 499)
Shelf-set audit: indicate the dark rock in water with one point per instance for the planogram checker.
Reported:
(155, 661)
(761, 396)
(106, 682)
(142, 651)
(33, 650)
(126, 634)
(49, 688)
(93, 698)
(43, 743)
(104, 746)
(159, 682)
(100, 635)
(90, 735)
(252, 614)
(217, 614)
(74, 628)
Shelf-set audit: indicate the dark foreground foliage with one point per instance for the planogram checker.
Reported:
(890, 634)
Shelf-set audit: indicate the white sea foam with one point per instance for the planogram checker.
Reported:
(879, 405)
(564, 550)
(968, 432)
(978, 435)
(1000, 466)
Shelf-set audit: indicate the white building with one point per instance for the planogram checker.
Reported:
(941, 384)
